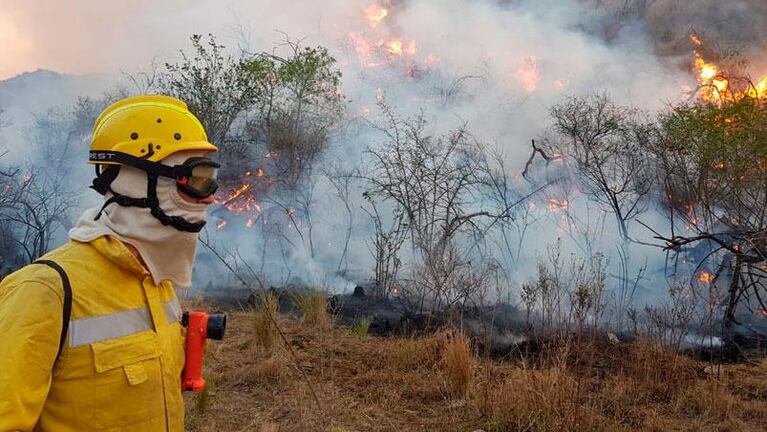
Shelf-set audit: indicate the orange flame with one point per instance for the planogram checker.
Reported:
(399, 47)
(361, 45)
(528, 74)
(379, 47)
(714, 85)
(239, 191)
(555, 205)
(375, 14)
(705, 277)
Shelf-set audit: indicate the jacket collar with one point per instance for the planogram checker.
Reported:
(116, 251)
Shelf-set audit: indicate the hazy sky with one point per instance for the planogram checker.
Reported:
(83, 36)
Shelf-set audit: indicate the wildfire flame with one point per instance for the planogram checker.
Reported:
(375, 14)
(555, 205)
(528, 74)
(377, 46)
(240, 196)
(714, 85)
(705, 277)
(398, 47)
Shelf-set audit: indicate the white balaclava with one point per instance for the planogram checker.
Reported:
(168, 252)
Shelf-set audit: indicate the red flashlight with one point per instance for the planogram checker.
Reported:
(199, 327)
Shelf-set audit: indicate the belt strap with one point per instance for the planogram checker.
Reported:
(67, 300)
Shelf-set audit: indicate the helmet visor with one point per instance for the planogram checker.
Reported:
(203, 181)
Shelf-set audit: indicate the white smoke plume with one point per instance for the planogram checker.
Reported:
(497, 66)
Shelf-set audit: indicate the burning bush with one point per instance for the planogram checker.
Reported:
(605, 144)
(272, 117)
(713, 163)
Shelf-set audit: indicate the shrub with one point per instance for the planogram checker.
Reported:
(264, 331)
(314, 309)
(458, 363)
(361, 327)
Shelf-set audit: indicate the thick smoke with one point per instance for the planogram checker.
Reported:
(495, 66)
(497, 69)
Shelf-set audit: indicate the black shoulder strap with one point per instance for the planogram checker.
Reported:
(67, 300)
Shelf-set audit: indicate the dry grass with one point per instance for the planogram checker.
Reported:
(314, 309)
(458, 363)
(420, 384)
(264, 332)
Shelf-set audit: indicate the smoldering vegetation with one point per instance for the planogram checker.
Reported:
(550, 175)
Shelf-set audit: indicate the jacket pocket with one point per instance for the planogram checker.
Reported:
(127, 381)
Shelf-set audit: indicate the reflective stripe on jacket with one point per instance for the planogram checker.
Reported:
(120, 367)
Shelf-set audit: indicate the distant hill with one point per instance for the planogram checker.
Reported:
(42, 89)
(32, 93)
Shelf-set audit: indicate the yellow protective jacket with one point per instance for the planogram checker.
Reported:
(120, 367)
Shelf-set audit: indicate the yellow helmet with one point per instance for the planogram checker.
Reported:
(149, 127)
(140, 132)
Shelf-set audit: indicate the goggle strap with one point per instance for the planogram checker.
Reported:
(177, 222)
(104, 179)
(153, 204)
(149, 167)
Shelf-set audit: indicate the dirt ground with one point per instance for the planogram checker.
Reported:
(365, 383)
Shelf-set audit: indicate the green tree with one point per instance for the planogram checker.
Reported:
(712, 160)
(216, 86)
(300, 104)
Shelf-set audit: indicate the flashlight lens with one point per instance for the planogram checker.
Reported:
(216, 326)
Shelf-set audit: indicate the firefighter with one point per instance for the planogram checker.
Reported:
(90, 334)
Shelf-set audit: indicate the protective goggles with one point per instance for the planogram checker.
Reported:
(197, 177)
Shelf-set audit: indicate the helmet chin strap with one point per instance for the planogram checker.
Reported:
(102, 185)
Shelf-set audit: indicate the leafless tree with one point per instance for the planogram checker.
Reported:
(439, 185)
(60, 135)
(669, 323)
(144, 81)
(385, 248)
(450, 90)
(296, 206)
(343, 185)
(566, 291)
(40, 206)
(606, 145)
(514, 229)
(10, 253)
